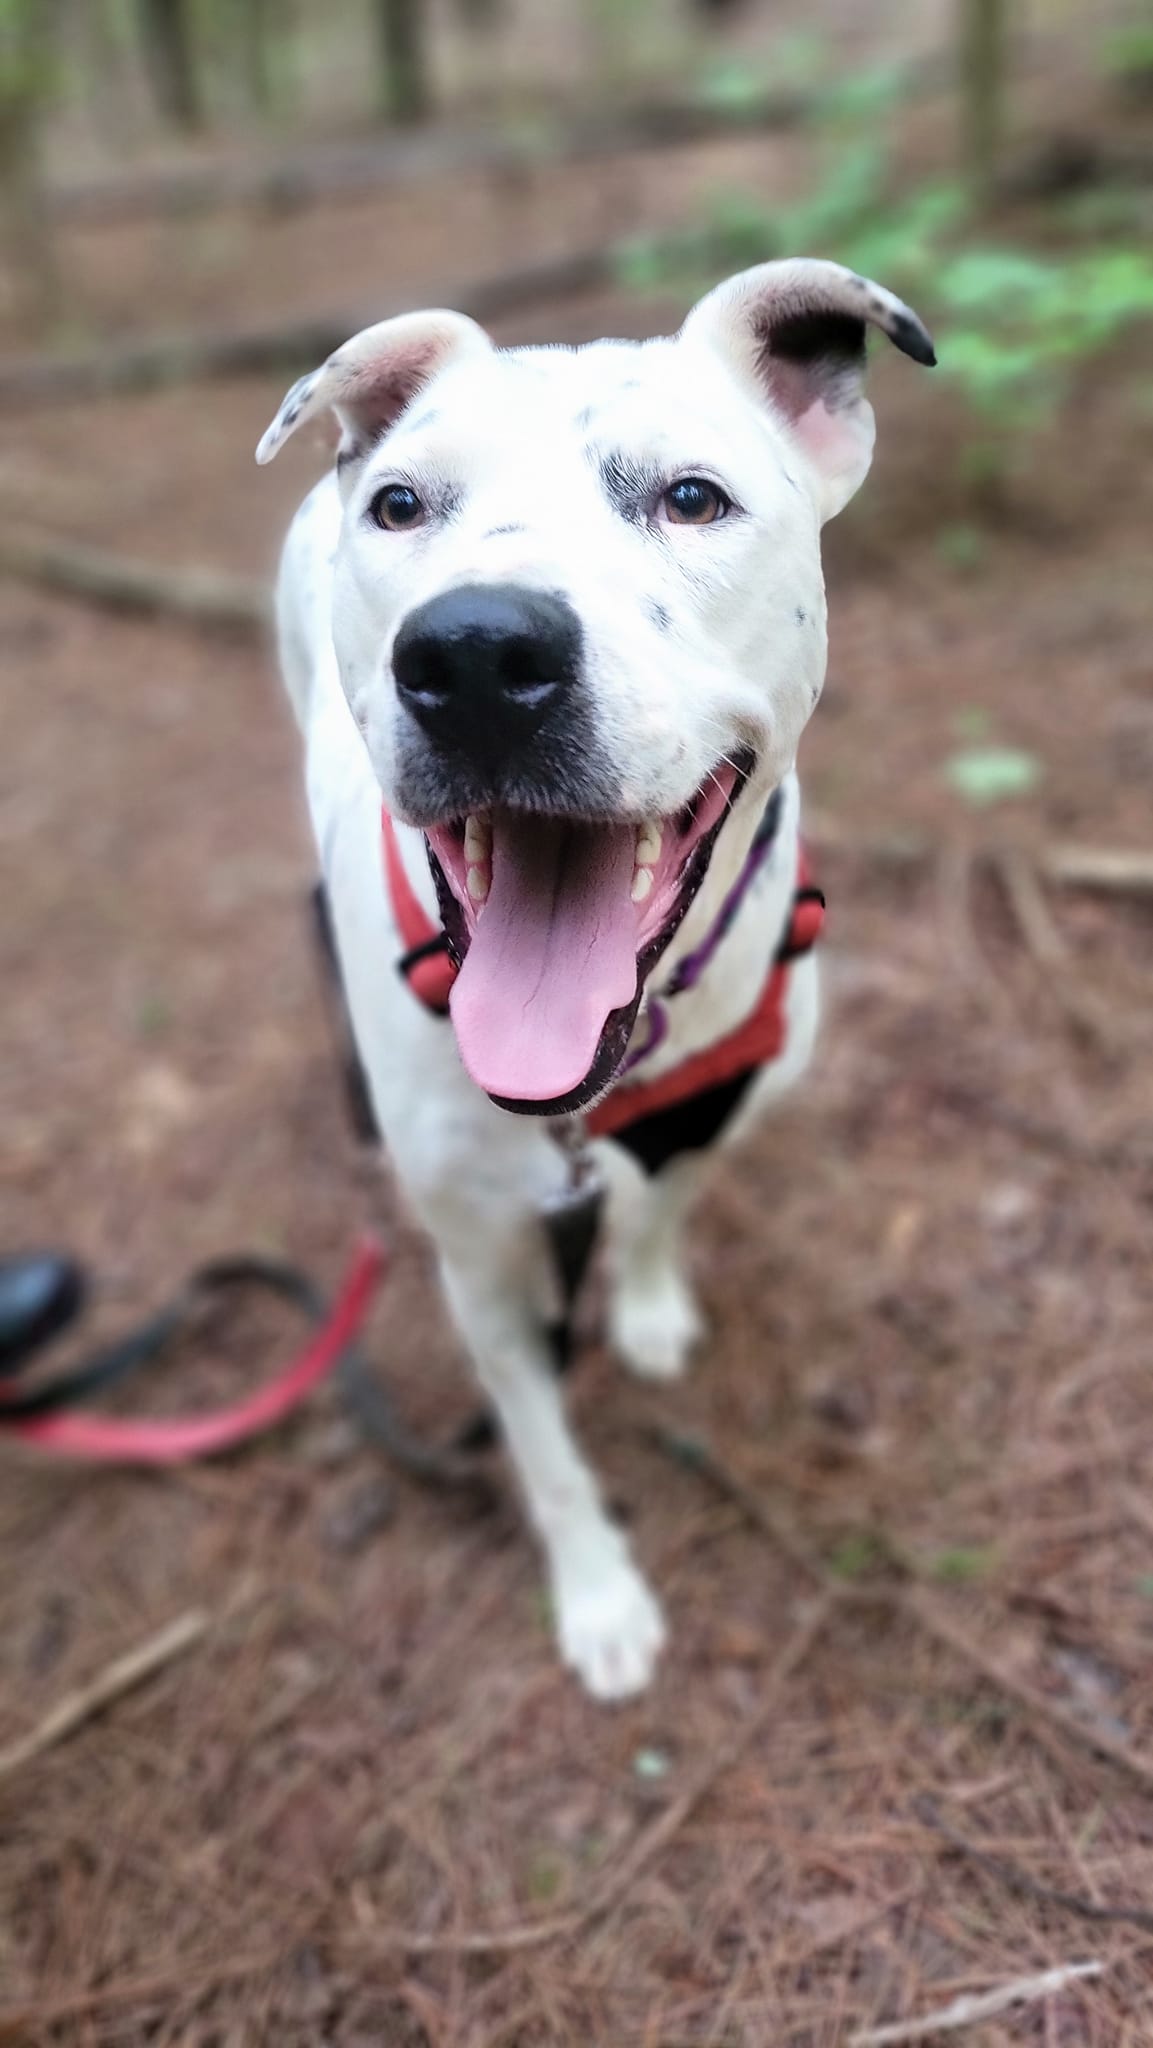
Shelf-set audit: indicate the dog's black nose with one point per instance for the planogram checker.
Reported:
(482, 667)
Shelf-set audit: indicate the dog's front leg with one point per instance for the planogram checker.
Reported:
(608, 1624)
(654, 1321)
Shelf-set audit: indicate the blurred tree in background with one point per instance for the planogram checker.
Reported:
(930, 204)
(28, 31)
(982, 36)
(167, 30)
(406, 91)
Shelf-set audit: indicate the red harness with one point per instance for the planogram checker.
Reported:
(430, 973)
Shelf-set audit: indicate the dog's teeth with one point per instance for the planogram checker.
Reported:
(649, 838)
(476, 882)
(477, 839)
(642, 883)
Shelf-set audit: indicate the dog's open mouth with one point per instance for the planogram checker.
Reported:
(555, 922)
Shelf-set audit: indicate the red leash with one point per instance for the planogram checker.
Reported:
(176, 1440)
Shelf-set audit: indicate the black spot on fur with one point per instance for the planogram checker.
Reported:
(630, 486)
(585, 417)
(659, 614)
(912, 339)
(808, 339)
(801, 615)
(812, 352)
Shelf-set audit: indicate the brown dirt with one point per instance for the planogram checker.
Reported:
(930, 1288)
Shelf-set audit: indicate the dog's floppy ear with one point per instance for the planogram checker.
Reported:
(370, 379)
(795, 331)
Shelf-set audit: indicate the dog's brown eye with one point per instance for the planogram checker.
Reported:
(396, 508)
(694, 502)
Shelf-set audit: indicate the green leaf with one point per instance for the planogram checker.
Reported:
(988, 775)
(641, 265)
(997, 280)
(731, 86)
(963, 1563)
(855, 1554)
(865, 94)
(651, 1764)
(1128, 52)
(962, 546)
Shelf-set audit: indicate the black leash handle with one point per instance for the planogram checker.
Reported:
(360, 1387)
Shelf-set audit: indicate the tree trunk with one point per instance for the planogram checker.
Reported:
(256, 53)
(405, 90)
(481, 17)
(982, 63)
(167, 38)
(27, 68)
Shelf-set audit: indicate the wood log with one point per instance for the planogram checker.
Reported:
(202, 597)
(292, 178)
(286, 345)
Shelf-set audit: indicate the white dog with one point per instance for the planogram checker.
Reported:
(560, 613)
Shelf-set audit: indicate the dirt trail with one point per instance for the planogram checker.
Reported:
(930, 1287)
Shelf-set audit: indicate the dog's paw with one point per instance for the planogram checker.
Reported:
(656, 1329)
(611, 1633)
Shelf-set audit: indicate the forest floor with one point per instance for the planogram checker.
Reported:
(367, 1805)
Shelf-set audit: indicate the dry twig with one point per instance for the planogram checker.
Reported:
(207, 1970)
(1047, 949)
(970, 2011)
(1019, 1880)
(914, 1600)
(1111, 870)
(645, 1848)
(123, 1675)
(957, 864)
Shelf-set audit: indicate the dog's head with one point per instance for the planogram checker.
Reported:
(579, 617)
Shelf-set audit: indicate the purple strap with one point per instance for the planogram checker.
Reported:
(691, 968)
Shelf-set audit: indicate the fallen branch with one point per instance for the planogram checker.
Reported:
(203, 597)
(1047, 949)
(296, 178)
(1113, 871)
(209, 1971)
(1019, 1880)
(646, 1847)
(916, 1602)
(122, 1676)
(285, 345)
(984, 2005)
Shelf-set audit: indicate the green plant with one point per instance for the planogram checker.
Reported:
(1014, 325)
(991, 774)
(1128, 53)
(962, 1563)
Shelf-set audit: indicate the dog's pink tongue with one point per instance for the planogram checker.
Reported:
(554, 951)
